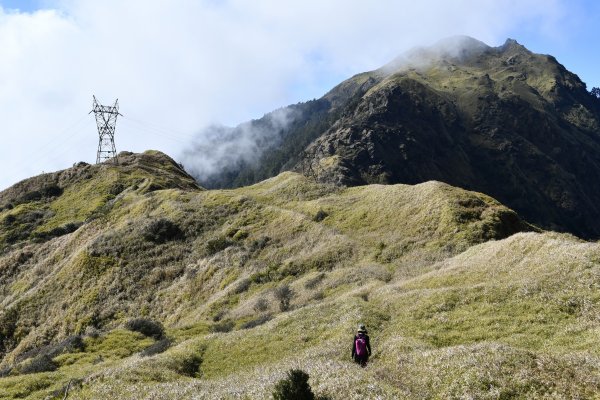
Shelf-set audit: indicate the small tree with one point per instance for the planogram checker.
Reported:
(294, 387)
(595, 92)
(284, 294)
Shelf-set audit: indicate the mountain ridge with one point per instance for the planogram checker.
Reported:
(499, 120)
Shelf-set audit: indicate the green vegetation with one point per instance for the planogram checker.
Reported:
(179, 293)
(294, 387)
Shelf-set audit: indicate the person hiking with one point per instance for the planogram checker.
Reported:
(361, 346)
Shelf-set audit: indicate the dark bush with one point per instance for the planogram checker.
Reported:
(41, 363)
(219, 315)
(256, 322)
(71, 344)
(161, 230)
(156, 348)
(268, 274)
(8, 206)
(320, 295)
(320, 216)
(284, 295)
(223, 326)
(190, 366)
(8, 326)
(259, 243)
(45, 192)
(242, 286)
(146, 327)
(30, 196)
(32, 217)
(261, 305)
(213, 246)
(9, 220)
(5, 371)
(313, 282)
(14, 237)
(51, 191)
(294, 387)
(57, 232)
(116, 189)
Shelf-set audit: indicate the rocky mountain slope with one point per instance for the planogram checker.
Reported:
(499, 120)
(132, 282)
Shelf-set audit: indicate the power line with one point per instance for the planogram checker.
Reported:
(159, 130)
(49, 148)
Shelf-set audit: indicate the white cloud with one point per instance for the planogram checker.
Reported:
(177, 66)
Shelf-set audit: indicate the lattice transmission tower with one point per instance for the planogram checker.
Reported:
(106, 119)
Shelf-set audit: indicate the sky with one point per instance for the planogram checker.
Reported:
(177, 66)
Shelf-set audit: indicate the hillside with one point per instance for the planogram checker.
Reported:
(462, 298)
(498, 120)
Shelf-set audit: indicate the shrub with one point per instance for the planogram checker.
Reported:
(223, 326)
(9, 220)
(320, 295)
(52, 191)
(161, 230)
(71, 344)
(257, 322)
(219, 315)
(320, 216)
(294, 387)
(146, 327)
(190, 365)
(156, 348)
(57, 232)
(213, 246)
(259, 243)
(261, 305)
(41, 363)
(284, 295)
(242, 286)
(5, 371)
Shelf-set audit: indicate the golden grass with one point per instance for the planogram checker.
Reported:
(454, 308)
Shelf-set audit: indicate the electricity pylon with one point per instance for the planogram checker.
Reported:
(106, 119)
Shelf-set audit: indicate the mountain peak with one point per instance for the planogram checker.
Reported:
(456, 49)
(511, 45)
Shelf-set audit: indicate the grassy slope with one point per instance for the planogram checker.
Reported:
(452, 312)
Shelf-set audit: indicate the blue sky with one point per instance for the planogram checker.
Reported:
(23, 5)
(180, 65)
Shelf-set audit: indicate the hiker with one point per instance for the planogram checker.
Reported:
(361, 346)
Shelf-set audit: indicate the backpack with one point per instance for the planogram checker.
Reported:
(360, 345)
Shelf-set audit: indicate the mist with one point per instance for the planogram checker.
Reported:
(220, 150)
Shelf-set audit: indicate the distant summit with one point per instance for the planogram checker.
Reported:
(513, 124)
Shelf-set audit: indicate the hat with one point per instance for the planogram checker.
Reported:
(361, 328)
